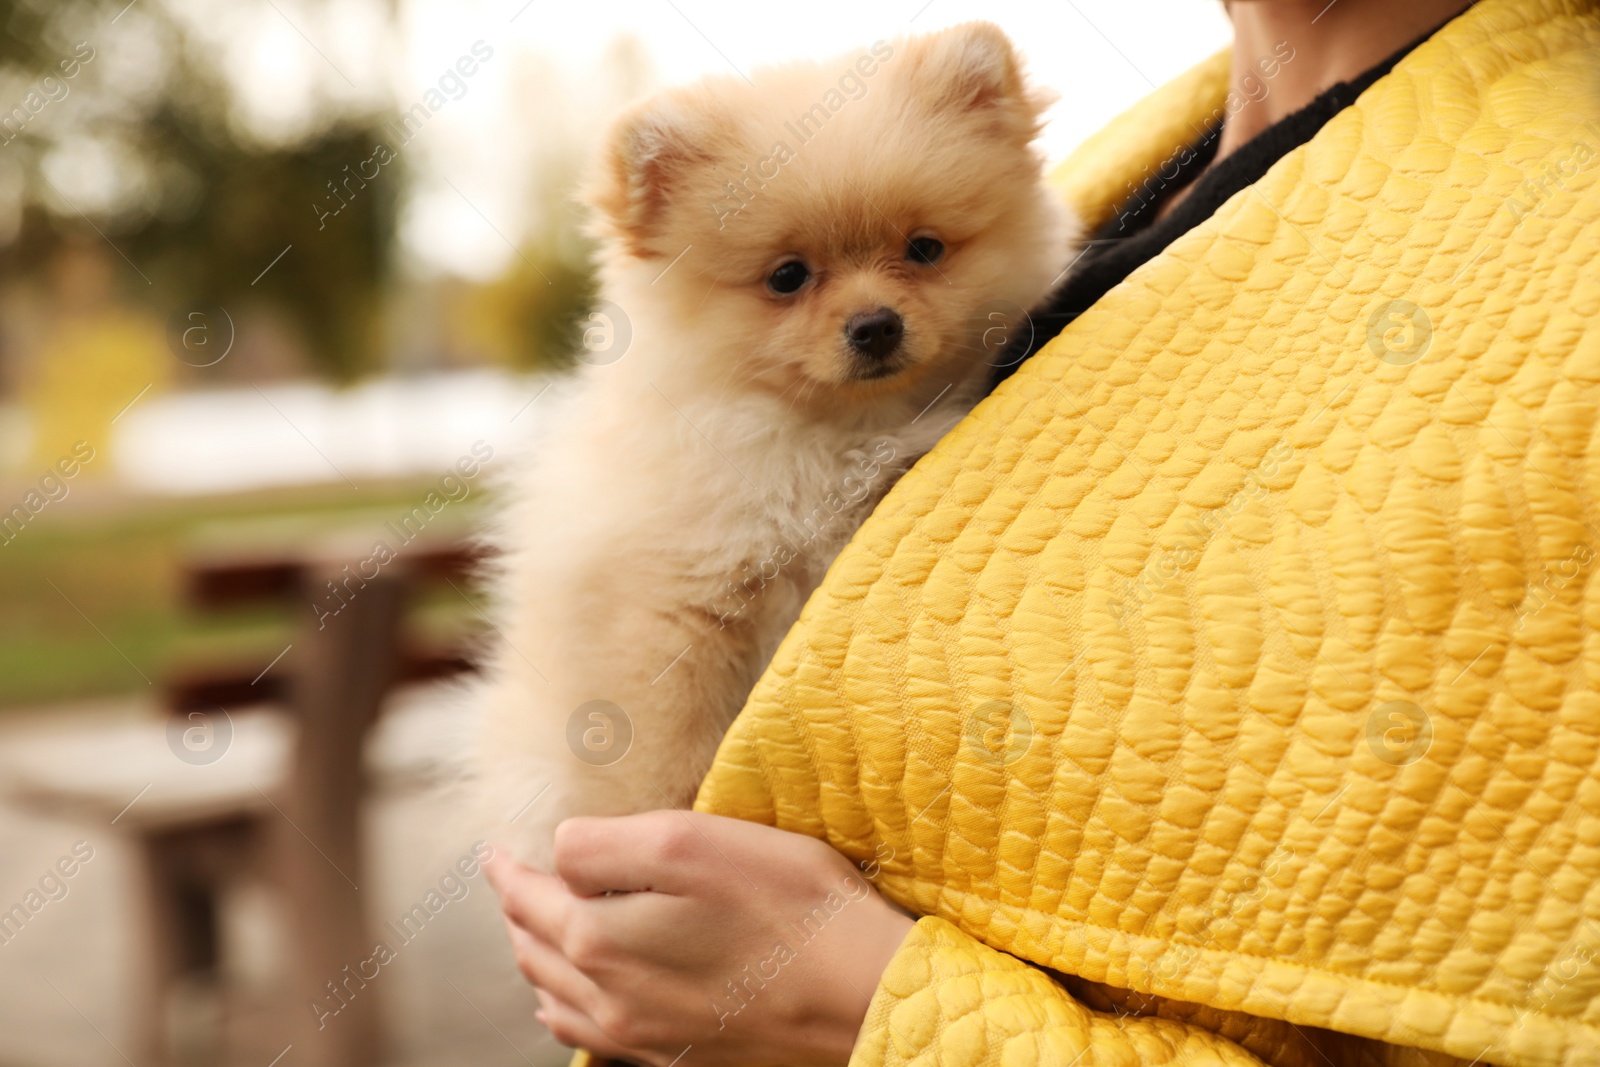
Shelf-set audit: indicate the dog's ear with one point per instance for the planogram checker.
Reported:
(974, 68)
(648, 153)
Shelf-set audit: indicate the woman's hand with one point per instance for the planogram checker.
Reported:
(674, 929)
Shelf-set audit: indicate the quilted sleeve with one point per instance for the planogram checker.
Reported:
(948, 999)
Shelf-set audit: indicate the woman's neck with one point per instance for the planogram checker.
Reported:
(1332, 42)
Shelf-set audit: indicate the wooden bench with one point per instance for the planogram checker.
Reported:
(285, 808)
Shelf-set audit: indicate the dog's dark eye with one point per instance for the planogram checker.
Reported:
(925, 250)
(788, 278)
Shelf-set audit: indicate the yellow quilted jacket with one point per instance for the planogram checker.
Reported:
(1224, 689)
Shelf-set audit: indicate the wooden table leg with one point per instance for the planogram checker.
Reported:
(344, 664)
(160, 950)
(183, 872)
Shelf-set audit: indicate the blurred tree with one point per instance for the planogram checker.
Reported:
(252, 205)
(199, 208)
(528, 317)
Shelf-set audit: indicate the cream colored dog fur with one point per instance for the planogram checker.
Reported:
(682, 500)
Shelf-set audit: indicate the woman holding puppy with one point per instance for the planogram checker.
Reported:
(1319, 792)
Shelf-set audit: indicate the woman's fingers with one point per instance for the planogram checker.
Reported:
(629, 854)
(536, 901)
(548, 970)
(568, 1001)
(639, 974)
(574, 1029)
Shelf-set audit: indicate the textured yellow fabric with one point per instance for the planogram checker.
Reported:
(994, 1009)
(1241, 650)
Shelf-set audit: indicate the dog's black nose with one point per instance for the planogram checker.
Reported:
(875, 334)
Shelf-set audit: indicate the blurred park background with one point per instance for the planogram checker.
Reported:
(274, 274)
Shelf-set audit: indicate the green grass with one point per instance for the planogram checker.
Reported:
(91, 597)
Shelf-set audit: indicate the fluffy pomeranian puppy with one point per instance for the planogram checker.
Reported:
(811, 270)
